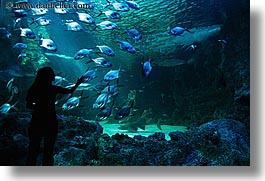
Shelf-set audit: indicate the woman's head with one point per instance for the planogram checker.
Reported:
(45, 75)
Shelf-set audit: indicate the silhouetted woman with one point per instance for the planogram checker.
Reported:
(41, 98)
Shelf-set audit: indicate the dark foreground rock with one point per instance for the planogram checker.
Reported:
(219, 142)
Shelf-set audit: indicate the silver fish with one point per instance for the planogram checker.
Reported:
(71, 103)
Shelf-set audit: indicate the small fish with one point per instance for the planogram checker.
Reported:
(191, 47)
(107, 25)
(126, 46)
(84, 17)
(82, 54)
(89, 75)
(133, 5)
(6, 107)
(100, 86)
(178, 31)
(42, 21)
(111, 14)
(47, 44)
(124, 111)
(71, 103)
(20, 13)
(20, 46)
(28, 33)
(223, 41)
(134, 34)
(146, 68)
(21, 56)
(112, 74)
(101, 101)
(73, 26)
(106, 50)
(18, 20)
(4, 34)
(60, 10)
(39, 11)
(102, 62)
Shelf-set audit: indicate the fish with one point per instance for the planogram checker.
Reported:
(73, 26)
(102, 62)
(84, 17)
(106, 50)
(4, 33)
(42, 21)
(105, 113)
(89, 75)
(134, 34)
(39, 11)
(146, 68)
(119, 6)
(107, 25)
(124, 111)
(28, 33)
(21, 56)
(190, 48)
(82, 54)
(4, 109)
(20, 13)
(224, 42)
(126, 46)
(20, 46)
(101, 101)
(71, 103)
(178, 30)
(47, 44)
(133, 5)
(60, 10)
(112, 74)
(9, 84)
(100, 86)
(111, 14)
(58, 80)
(111, 90)
(81, 87)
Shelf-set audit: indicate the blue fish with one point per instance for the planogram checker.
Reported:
(107, 25)
(106, 50)
(111, 14)
(134, 34)
(71, 103)
(112, 74)
(82, 54)
(101, 101)
(223, 41)
(102, 62)
(178, 30)
(124, 111)
(89, 75)
(146, 68)
(20, 46)
(126, 46)
(4, 34)
(28, 33)
(133, 5)
(19, 13)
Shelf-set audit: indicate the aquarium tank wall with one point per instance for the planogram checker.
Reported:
(165, 82)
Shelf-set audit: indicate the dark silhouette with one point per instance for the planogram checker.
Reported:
(41, 98)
